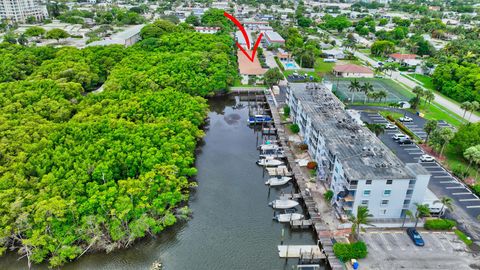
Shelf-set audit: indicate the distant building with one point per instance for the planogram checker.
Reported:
(333, 53)
(241, 39)
(207, 30)
(405, 59)
(352, 71)
(253, 25)
(21, 10)
(284, 56)
(126, 38)
(273, 38)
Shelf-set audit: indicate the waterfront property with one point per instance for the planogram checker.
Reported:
(273, 38)
(353, 162)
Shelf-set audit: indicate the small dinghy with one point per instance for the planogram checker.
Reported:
(259, 119)
(277, 181)
(283, 204)
(288, 217)
(270, 162)
(269, 147)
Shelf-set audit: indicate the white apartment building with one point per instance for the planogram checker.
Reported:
(354, 163)
(21, 10)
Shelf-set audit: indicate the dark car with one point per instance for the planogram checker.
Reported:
(405, 141)
(415, 236)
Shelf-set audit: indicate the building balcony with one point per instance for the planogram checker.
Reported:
(406, 206)
(349, 198)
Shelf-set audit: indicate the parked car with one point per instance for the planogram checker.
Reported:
(427, 158)
(405, 119)
(399, 136)
(405, 141)
(390, 126)
(415, 236)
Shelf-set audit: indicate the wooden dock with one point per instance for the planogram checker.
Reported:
(312, 252)
(301, 181)
(301, 224)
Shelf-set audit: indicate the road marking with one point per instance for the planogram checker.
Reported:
(442, 176)
(397, 240)
(461, 193)
(410, 149)
(416, 153)
(455, 187)
(468, 200)
(385, 241)
(447, 182)
(473, 206)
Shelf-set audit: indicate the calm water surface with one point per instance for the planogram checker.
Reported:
(232, 226)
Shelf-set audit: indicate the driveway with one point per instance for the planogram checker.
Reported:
(395, 250)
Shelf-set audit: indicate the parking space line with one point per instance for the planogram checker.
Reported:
(442, 176)
(468, 200)
(439, 242)
(473, 206)
(385, 241)
(394, 235)
(461, 193)
(447, 182)
(457, 187)
(411, 149)
(416, 153)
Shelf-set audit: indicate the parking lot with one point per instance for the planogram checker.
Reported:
(442, 183)
(395, 250)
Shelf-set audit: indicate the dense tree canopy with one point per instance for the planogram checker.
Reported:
(97, 171)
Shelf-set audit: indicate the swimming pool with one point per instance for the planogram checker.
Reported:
(290, 65)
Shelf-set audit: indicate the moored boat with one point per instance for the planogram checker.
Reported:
(270, 162)
(277, 181)
(288, 217)
(283, 204)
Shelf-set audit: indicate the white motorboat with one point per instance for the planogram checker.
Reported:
(267, 147)
(277, 181)
(270, 162)
(283, 204)
(272, 154)
(288, 217)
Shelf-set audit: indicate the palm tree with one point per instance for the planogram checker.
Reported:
(366, 88)
(422, 211)
(362, 218)
(473, 107)
(408, 214)
(466, 107)
(419, 92)
(429, 96)
(354, 87)
(376, 128)
(382, 94)
(446, 202)
(471, 153)
(372, 95)
(429, 127)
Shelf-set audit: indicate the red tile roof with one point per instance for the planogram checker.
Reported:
(401, 56)
(351, 68)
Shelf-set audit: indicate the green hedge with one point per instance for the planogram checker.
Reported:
(476, 189)
(463, 237)
(404, 129)
(440, 224)
(294, 128)
(345, 252)
(280, 65)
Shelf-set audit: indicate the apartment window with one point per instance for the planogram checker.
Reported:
(364, 202)
(406, 202)
(412, 182)
(389, 182)
(366, 192)
(387, 192)
(369, 182)
(409, 191)
(383, 211)
(336, 169)
(384, 203)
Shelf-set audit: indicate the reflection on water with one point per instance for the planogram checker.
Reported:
(232, 226)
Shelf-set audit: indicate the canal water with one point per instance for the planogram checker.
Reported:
(231, 227)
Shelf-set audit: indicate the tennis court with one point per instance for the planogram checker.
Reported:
(394, 91)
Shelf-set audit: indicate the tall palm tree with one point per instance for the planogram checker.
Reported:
(447, 202)
(471, 153)
(366, 88)
(382, 94)
(376, 128)
(417, 90)
(408, 214)
(474, 106)
(362, 218)
(466, 107)
(354, 87)
(429, 96)
(422, 211)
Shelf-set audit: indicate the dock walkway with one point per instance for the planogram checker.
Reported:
(317, 224)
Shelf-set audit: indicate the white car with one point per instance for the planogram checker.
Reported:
(390, 126)
(405, 119)
(427, 158)
(399, 136)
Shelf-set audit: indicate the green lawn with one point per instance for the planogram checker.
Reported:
(395, 115)
(425, 80)
(323, 67)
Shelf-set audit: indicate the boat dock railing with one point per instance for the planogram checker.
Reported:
(323, 233)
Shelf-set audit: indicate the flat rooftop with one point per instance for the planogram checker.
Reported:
(248, 67)
(363, 156)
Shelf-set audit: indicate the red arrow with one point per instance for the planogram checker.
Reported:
(245, 36)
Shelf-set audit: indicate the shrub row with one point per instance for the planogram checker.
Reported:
(440, 224)
(346, 252)
(279, 64)
(404, 129)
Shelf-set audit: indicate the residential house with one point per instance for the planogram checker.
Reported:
(207, 30)
(405, 59)
(352, 71)
(273, 38)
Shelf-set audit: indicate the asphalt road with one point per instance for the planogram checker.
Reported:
(442, 183)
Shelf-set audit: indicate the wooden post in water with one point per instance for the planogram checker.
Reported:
(282, 237)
